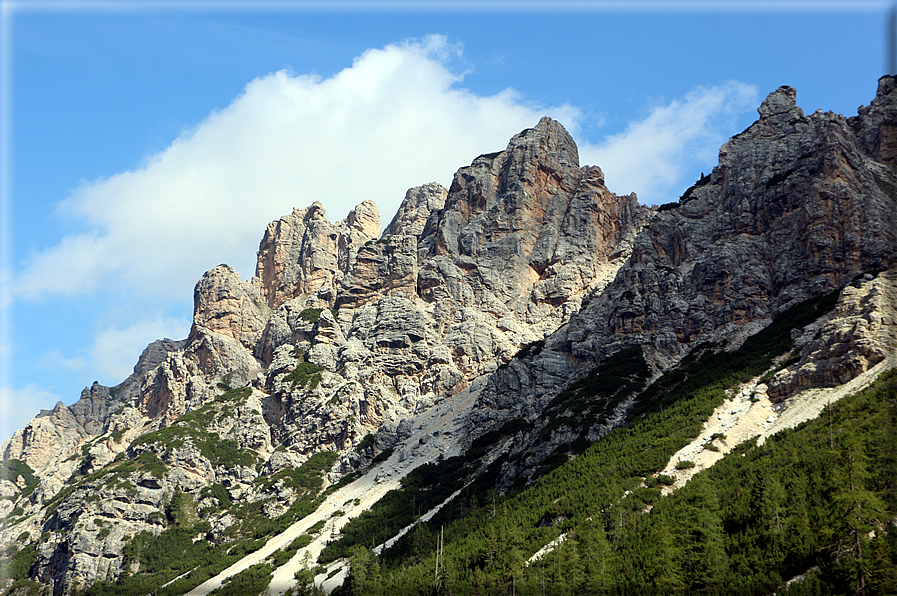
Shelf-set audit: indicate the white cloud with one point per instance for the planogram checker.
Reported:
(115, 351)
(396, 118)
(53, 359)
(19, 406)
(652, 155)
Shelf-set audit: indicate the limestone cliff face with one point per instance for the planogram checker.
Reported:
(798, 206)
(382, 268)
(224, 305)
(303, 253)
(229, 319)
(875, 125)
(343, 332)
(857, 335)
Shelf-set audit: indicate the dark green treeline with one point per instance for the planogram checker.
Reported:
(820, 498)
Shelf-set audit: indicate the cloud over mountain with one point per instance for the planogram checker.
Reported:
(651, 155)
(397, 117)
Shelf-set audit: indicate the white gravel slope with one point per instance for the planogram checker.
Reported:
(436, 432)
(740, 419)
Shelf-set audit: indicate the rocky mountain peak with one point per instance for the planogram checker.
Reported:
(219, 304)
(780, 103)
(876, 129)
(304, 254)
(528, 229)
(495, 296)
(547, 147)
(797, 207)
(418, 204)
(505, 193)
(366, 218)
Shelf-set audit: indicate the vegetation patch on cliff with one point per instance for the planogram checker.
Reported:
(686, 196)
(184, 548)
(593, 398)
(12, 470)
(193, 427)
(305, 375)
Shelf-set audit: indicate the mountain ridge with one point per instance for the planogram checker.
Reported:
(519, 281)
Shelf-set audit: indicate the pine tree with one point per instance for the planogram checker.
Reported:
(856, 509)
(700, 534)
(774, 510)
(364, 572)
(882, 577)
(661, 559)
(599, 565)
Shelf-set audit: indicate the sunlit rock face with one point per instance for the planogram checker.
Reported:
(344, 332)
(304, 254)
(858, 334)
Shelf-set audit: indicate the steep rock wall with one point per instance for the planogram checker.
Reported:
(797, 207)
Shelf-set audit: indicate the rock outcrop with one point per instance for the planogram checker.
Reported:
(875, 126)
(791, 211)
(520, 278)
(304, 254)
(797, 207)
(224, 305)
(419, 204)
(858, 334)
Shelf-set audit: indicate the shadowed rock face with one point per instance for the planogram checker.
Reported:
(792, 210)
(798, 206)
(343, 332)
(876, 124)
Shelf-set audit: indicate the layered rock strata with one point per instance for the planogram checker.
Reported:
(344, 333)
(797, 207)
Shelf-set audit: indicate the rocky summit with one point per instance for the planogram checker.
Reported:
(509, 326)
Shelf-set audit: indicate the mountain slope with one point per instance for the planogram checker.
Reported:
(504, 325)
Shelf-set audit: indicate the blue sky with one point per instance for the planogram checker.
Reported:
(145, 143)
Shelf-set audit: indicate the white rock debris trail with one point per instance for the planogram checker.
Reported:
(748, 414)
(438, 427)
(546, 549)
